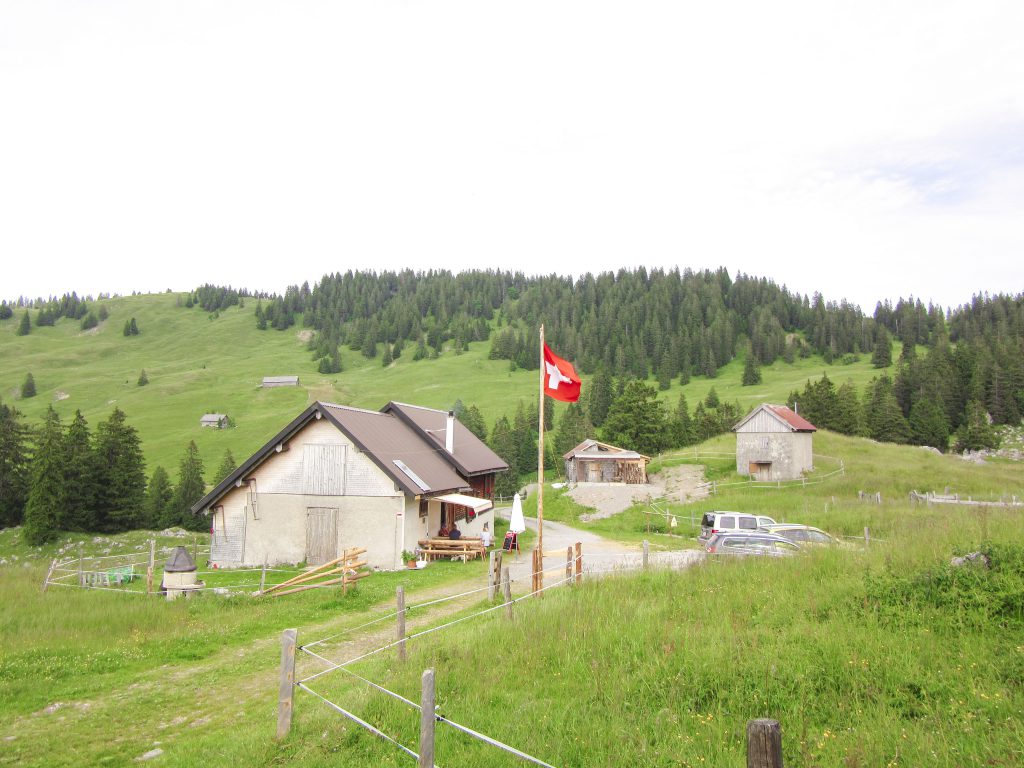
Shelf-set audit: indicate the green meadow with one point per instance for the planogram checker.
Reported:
(200, 363)
(868, 655)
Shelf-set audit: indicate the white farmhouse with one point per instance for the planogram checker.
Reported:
(774, 443)
(338, 477)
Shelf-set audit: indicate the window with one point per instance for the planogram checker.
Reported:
(727, 522)
(424, 507)
(748, 523)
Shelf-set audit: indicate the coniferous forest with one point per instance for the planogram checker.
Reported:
(954, 375)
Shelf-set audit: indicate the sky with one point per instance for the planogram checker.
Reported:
(865, 150)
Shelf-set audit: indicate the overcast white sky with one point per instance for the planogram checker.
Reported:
(863, 149)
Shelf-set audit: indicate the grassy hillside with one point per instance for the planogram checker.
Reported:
(198, 363)
(884, 656)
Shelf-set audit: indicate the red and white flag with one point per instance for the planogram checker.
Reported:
(560, 379)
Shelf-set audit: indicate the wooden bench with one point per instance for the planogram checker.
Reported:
(465, 548)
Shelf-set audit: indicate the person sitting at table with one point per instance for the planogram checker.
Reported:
(443, 533)
(454, 533)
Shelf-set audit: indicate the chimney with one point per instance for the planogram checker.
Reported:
(449, 433)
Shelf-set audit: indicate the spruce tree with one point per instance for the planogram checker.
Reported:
(882, 355)
(25, 326)
(158, 497)
(976, 432)
(601, 395)
(143, 378)
(133, 328)
(47, 494)
(89, 321)
(849, 411)
(751, 371)
(573, 428)
(15, 466)
(885, 419)
(28, 388)
(636, 420)
(928, 424)
(79, 477)
(473, 420)
(121, 473)
(502, 442)
(103, 313)
(227, 466)
(5, 311)
(681, 425)
(712, 401)
(190, 488)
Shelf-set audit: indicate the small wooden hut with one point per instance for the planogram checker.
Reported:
(214, 420)
(595, 462)
(280, 381)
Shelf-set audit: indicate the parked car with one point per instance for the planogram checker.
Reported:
(752, 543)
(721, 522)
(803, 534)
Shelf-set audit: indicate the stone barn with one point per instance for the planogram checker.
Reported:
(594, 462)
(338, 477)
(774, 443)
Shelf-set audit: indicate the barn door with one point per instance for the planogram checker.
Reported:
(321, 534)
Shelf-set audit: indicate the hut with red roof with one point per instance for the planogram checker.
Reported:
(774, 442)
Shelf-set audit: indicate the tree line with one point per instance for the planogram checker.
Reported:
(69, 478)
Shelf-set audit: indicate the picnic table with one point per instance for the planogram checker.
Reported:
(464, 548)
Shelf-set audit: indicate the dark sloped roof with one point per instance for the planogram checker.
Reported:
(384, 438)
(471, 456)
(180, 561)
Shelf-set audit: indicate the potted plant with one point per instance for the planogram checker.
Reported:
(409, 558)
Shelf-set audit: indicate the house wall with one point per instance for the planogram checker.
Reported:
(790, 453)
(320, 468)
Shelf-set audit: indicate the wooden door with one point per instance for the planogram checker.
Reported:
(321, 534)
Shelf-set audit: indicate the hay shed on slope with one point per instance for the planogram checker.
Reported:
(595, 462)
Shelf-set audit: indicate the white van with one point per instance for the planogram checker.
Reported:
(730, 522)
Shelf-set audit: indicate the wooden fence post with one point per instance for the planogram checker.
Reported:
(764, 744)
(263, 574)
(499, 559)
(286, 688)
(81, 574)
(428, 718)
(867, 537)
(400, 633)
(579, 562)
(537, 560)
(568, 564)
(646, 552)
(152, 567)
(490, 575)
(506, 591)
(49, 573)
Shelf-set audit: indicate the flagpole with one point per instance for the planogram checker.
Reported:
(540, 465)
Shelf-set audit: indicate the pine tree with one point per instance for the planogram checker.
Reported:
(121, 474)
(473, 420)
(386, 359)
(103, 313)
(89, 321)
(143, 378)
(849, 411)
(523, 426)
(227, 466)
(681, 425)
(502, 442)
(261, 318)
(601, 396)
(712, 401)
(751, 371)
(25, 326)
(79, 478)
(15, 466)
(190, 488)
(636, 420)
(882, 355)
(5, 311)
(158, 497)
(928, 424)
(885, 419)
(573, 428)
(46, 496)
(133, 328)
(28, 389)
(976, 432)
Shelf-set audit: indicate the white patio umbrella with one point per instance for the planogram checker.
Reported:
(516, 523)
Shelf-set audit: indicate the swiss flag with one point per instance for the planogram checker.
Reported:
(560, 379)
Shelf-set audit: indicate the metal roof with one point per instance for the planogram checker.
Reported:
(470, 454)
(404, 452)
(791, 419)
(180, 561)
(593, 449)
